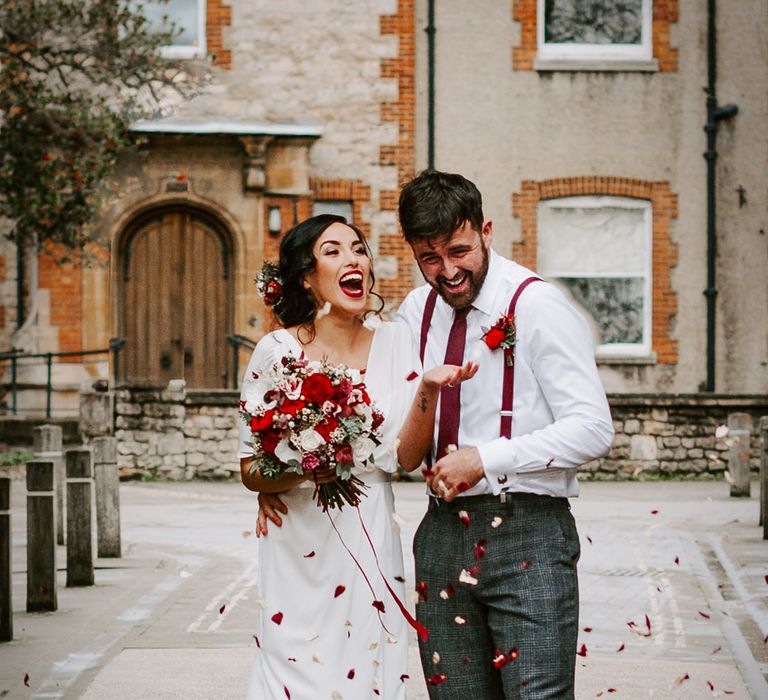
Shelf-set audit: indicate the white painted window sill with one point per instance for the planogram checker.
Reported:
(626, 359)
(618, 65)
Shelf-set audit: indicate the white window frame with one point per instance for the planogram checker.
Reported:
(190, 50)
(616, 350)
(331, 206)
(597, 52)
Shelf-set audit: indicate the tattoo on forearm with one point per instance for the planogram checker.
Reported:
(423, 403)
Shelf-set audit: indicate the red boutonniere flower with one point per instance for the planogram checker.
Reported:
(501, 334)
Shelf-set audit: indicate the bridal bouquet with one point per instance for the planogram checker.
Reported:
(304, 415)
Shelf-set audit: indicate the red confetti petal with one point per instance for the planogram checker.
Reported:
(404, 677)
(729, 692)
(621, 648)
(766, 578)
(654, 512)
(376, 691)
(277, 618)
(677, 561)
(351, 673)
(221, 609)
(463, 486)
(648, 623)
(704, 615)
(400, 579)
(379, 605)
(479, 549)
(339, 590)
(287, 692)
(437, 679)
(611, 690)
(291, 658)
(258, 643)
(421, 589)
(525, 565)
(26, 679)
(499, 660)
(716, 650)
(474, 570)
(765, 639)
(589, 539)
(582, 651)
(681, 679)
(411, 376)
(710, 686)
(310, 555)
(464, 517)
(587, 629)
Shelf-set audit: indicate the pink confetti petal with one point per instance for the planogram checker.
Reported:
(648, 623)
(310, 555)
(339, 590)
(437, 679)
(277, 618)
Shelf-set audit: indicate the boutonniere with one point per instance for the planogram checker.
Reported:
(501, 334)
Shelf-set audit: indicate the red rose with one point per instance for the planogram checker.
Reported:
(378, 419)
(292, 406)
(317, 388)
(272, 292)
(494, 338)
(342, 390)
(269, 440)
(264, 422)
(344, 454)
(326, 427)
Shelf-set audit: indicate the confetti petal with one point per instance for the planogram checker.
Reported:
(277, 618)
(339, 590)
(677, 561)
(680, 680)
(525, 565)
(459, 620)
(400, 579)
(582, 650)
(379, 605)
(421, 589)
(621, 648)
(587, 629)
(258, 643)
(480, 549)
(513, 654)
(351, 673)
(499, 660)
(716, 650)
(589, 539)
(496, 521)
(316, 658)
(654, 512)
(324, 311)
(447, 592)
(466, 577)
(721, 432)
(437, 679)
(435, 658)
(411, 376)
(710, 686)
(222, 609)
(462, 486)
(26, 680)
(706, 616)
(287, 692)
(372, 322)
(247, 533)
(310, 555)
(404, 677)
(464, 517)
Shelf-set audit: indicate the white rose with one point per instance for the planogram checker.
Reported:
(310, 440)
(362, 448)
(286, 452)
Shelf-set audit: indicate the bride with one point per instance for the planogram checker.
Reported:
(319, 634)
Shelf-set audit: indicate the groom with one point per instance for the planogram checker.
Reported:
(496, 552)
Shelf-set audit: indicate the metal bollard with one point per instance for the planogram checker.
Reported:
(107, 496)
(6, 592)
(764, 476)
(79, 497)
(47, 445)
(740, 434)
(41, 537)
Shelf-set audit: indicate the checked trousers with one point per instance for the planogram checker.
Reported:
(524, 605)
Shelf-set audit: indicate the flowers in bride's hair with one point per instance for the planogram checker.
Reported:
(501, 334)
(372, 322)
(324, 311)
(308, 415)
(269, 283)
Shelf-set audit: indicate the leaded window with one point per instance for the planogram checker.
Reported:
(188, 19)
(598, 250)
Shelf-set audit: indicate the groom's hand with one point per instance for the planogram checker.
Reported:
(456, 472)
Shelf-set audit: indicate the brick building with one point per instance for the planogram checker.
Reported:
(584, 134)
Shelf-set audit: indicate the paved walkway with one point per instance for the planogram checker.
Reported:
(173, 617)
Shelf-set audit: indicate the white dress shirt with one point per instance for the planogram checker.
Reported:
(561, 417)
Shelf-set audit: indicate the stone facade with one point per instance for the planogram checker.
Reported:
(177, 433)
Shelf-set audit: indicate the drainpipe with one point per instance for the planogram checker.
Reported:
(430, 30)
(21, 273)
(714, 115)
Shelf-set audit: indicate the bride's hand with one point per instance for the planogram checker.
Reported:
(321, 475)
(269, 505)
(448, 375)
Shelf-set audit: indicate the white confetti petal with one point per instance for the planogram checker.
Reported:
(324, 311)
(185, 574)
(728, 476)
(435, 658)
(444, 594)
(721, 431)
(459, 620)
(391, 639)
(316, 659)
(415, 598)
(373, 645)
(336, 695)
(312, 639)
(376, 663)
(466, 577)
(451, 448)
(496, 521)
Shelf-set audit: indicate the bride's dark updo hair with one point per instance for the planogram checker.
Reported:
(296, 305)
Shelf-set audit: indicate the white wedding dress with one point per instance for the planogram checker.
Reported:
(314, 644)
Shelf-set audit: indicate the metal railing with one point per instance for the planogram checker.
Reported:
(15, 357)
(236, 342)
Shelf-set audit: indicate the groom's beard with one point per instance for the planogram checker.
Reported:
(475, 280)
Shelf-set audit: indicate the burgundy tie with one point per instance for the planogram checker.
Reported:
(450, 396)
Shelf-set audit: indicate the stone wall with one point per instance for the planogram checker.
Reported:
(177, 433)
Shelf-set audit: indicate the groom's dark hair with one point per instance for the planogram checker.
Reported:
(435, 204)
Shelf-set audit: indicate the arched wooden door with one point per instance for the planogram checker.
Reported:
(176, 299)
